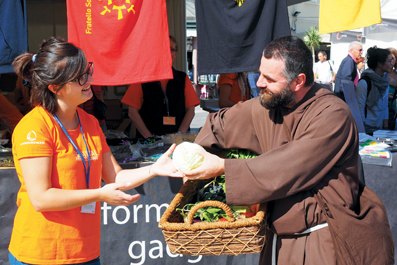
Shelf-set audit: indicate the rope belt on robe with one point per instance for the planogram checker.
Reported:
(307, 231)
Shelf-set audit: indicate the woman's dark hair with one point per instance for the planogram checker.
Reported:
(172, 39)
(393, 51)
(376, 55)
(56, 63)
(238, 75)
(296, 56)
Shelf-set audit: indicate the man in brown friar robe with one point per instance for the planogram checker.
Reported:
(306, 138)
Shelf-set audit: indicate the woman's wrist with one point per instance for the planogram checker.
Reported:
(151, 175)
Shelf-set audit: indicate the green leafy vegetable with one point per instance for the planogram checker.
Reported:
(216, 190)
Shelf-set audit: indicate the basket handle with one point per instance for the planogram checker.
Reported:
(203, 204)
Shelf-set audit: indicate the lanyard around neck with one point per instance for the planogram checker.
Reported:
(166, 99)
(86, 170)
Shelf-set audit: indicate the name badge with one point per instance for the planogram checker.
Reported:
(168, 120)
(88, 208)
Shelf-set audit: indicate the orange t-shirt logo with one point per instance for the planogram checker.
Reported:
(31, 136)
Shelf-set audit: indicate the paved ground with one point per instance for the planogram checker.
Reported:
(199, 118)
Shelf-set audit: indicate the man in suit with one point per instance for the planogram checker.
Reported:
(348, 68)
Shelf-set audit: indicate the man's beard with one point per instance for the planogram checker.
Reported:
(272, 100)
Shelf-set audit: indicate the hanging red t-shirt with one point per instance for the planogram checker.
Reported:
(128, 40)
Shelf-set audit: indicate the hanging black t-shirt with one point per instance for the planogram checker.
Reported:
(13, 32)
(231, 38)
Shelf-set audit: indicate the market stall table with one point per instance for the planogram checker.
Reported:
(130, 234)
(383, 181)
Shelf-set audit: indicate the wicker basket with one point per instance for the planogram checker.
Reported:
(233, 237)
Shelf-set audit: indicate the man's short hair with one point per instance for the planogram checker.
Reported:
(354, 44)
(324, 53)
(296, 56)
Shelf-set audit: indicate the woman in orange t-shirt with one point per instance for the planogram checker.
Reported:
(61, 158)
(233, 88)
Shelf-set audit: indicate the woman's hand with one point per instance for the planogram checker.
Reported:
(212, 166)
(113, 194)
(164, 166)
(393, 82)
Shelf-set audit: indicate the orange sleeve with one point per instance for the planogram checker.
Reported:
(134, 96)
(32, 137)
(227, 79)
(191, 98)
(231, 79)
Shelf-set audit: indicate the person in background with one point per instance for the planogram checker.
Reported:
(392, 75)
(360, 65)
(233, 88)
(89, 106)
(372, 90)
(348, 68)
(162, 107)
(9, 115)
(306, 139)
(324, 72)
(22, 96)
(61, 158)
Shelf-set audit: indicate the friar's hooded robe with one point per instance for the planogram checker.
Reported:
(312, 145)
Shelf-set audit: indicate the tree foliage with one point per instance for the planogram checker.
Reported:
(312, 39)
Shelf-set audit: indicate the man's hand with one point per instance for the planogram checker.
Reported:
(212, 166)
